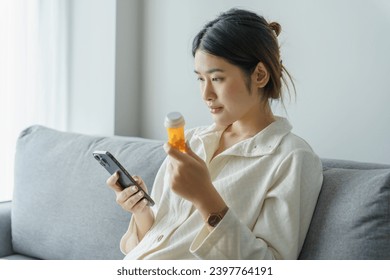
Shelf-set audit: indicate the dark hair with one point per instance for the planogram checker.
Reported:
(244, 39)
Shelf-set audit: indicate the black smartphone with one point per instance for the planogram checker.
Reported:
(112, 165)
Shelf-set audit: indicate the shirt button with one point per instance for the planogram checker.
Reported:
(160, 237)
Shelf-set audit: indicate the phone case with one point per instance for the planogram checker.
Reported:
(112, 165)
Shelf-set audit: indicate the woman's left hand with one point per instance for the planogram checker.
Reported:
(190, 179)
(189, 175)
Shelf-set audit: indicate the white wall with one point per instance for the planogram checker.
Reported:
(105, 66)
(336, 50)
(92, 66)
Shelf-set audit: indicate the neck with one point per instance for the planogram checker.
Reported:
(253, 123)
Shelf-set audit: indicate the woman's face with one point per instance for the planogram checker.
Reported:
(225, 90)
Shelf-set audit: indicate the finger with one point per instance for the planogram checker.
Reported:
(126, 194)
(182, 157)
(140, 182)
(167, 147)
(175, 153)
(132, 201)
(112, 182)
(191, 153)
(140, 206)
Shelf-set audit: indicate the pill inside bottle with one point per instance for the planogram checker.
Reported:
(174, 123)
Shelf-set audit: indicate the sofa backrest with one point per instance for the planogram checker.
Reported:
(62, 207)
(352, 215)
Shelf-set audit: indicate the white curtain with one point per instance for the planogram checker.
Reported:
(33, 74)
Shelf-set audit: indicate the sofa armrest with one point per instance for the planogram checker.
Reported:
(5, 229)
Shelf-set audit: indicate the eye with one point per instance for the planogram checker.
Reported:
(200, 79)
(217, 79)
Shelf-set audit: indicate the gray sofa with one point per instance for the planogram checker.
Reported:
(62, 208)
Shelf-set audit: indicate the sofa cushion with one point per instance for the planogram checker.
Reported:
(5, 228)
(19, 257)
(352, 216)
(62, 207)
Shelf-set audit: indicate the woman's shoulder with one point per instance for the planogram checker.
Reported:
(289, 141)
(294, 148)
(294, 142)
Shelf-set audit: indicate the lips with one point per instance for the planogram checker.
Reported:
(215, 109)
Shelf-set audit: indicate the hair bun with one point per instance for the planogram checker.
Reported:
(275, 27)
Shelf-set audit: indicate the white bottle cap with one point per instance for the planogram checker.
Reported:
(174, 120)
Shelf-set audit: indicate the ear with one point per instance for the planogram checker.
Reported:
(260, 75)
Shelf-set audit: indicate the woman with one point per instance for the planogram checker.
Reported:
(246, 187)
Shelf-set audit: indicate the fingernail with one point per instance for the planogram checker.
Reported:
(140, 194)
(134, 188)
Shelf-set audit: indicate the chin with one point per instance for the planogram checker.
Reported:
(222, 122)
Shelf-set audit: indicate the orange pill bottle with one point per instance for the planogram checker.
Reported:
(174, 123)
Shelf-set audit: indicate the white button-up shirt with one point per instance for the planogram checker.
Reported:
(271, 184)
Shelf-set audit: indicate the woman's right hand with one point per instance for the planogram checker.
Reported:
(130, 199)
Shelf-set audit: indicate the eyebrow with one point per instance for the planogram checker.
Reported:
(210, 71)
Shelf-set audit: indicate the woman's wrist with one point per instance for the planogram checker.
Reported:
(143, 222)
(210, 203)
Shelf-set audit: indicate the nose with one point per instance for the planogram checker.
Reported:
(208, 93)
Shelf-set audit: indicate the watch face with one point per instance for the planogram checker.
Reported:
(214, 220)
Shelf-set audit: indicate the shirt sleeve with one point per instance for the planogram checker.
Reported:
(130, 239)
(282, 223)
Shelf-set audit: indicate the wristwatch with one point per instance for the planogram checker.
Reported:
(214, 218)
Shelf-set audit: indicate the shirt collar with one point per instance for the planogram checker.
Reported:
(263, 143)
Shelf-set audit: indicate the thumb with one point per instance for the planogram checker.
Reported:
(190, 152)
(113, 183)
